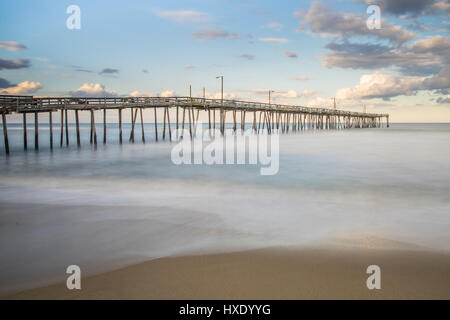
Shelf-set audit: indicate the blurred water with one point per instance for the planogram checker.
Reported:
(114, 205)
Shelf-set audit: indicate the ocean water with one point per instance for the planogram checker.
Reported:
(106, 207)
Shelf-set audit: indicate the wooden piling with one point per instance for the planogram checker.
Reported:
(168, 125)
(120, 125)
(93, 130)
(36, 131)
(104, 126)
(164, 124)
(77, 124)
(25, 142)
(5, 133)
(190, 124)
(133, 122)
(142, 125)
(62, 129)
(177, 118)
(50, 124)
(156, 125)
(67, 128)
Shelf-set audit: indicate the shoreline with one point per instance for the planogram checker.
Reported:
(271, 273)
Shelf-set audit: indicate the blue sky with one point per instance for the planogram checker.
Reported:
(160, 47)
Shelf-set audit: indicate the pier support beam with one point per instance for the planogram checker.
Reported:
(5, 133)
(50, 125)
(93, 130)
(77, 123)
(36, 131)
(62, 129)
(120, 125)
(156, 125)
(142, 125)
(25, 142)
(67, 128)
(104, 126)
(168, 125)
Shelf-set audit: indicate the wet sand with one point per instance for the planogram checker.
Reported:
(273, 273)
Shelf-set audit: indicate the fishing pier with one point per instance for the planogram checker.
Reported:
(185, 111)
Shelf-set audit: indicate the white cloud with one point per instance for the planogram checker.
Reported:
(274, 40)
(328, 23)
(136, 93)
(183, 16)
(24, 87)
(92, 90)
(380, 85)
(167, 93)
(189, 67)
(11, 46)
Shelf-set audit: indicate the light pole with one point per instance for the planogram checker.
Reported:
(270, 91)
(221, 90)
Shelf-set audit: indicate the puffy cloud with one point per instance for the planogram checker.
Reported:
(440, 81)
(328, 23)
(438, 45)
(290, 54)
(92, 90)
(11, 46)
(274, 40)
(183, 16)
(136, 93)
(380, 85)
(385, 86)
(14, 63)
(24, 87)
(423, 57)
(215, 34)
(167, 93)
(247, 56)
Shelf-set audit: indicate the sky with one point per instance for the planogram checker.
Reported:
(307, 52)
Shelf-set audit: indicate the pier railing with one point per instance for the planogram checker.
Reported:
(20, 104)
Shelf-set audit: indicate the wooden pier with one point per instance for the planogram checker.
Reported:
(266, 117)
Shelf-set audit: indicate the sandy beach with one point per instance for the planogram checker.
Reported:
(273, 273)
